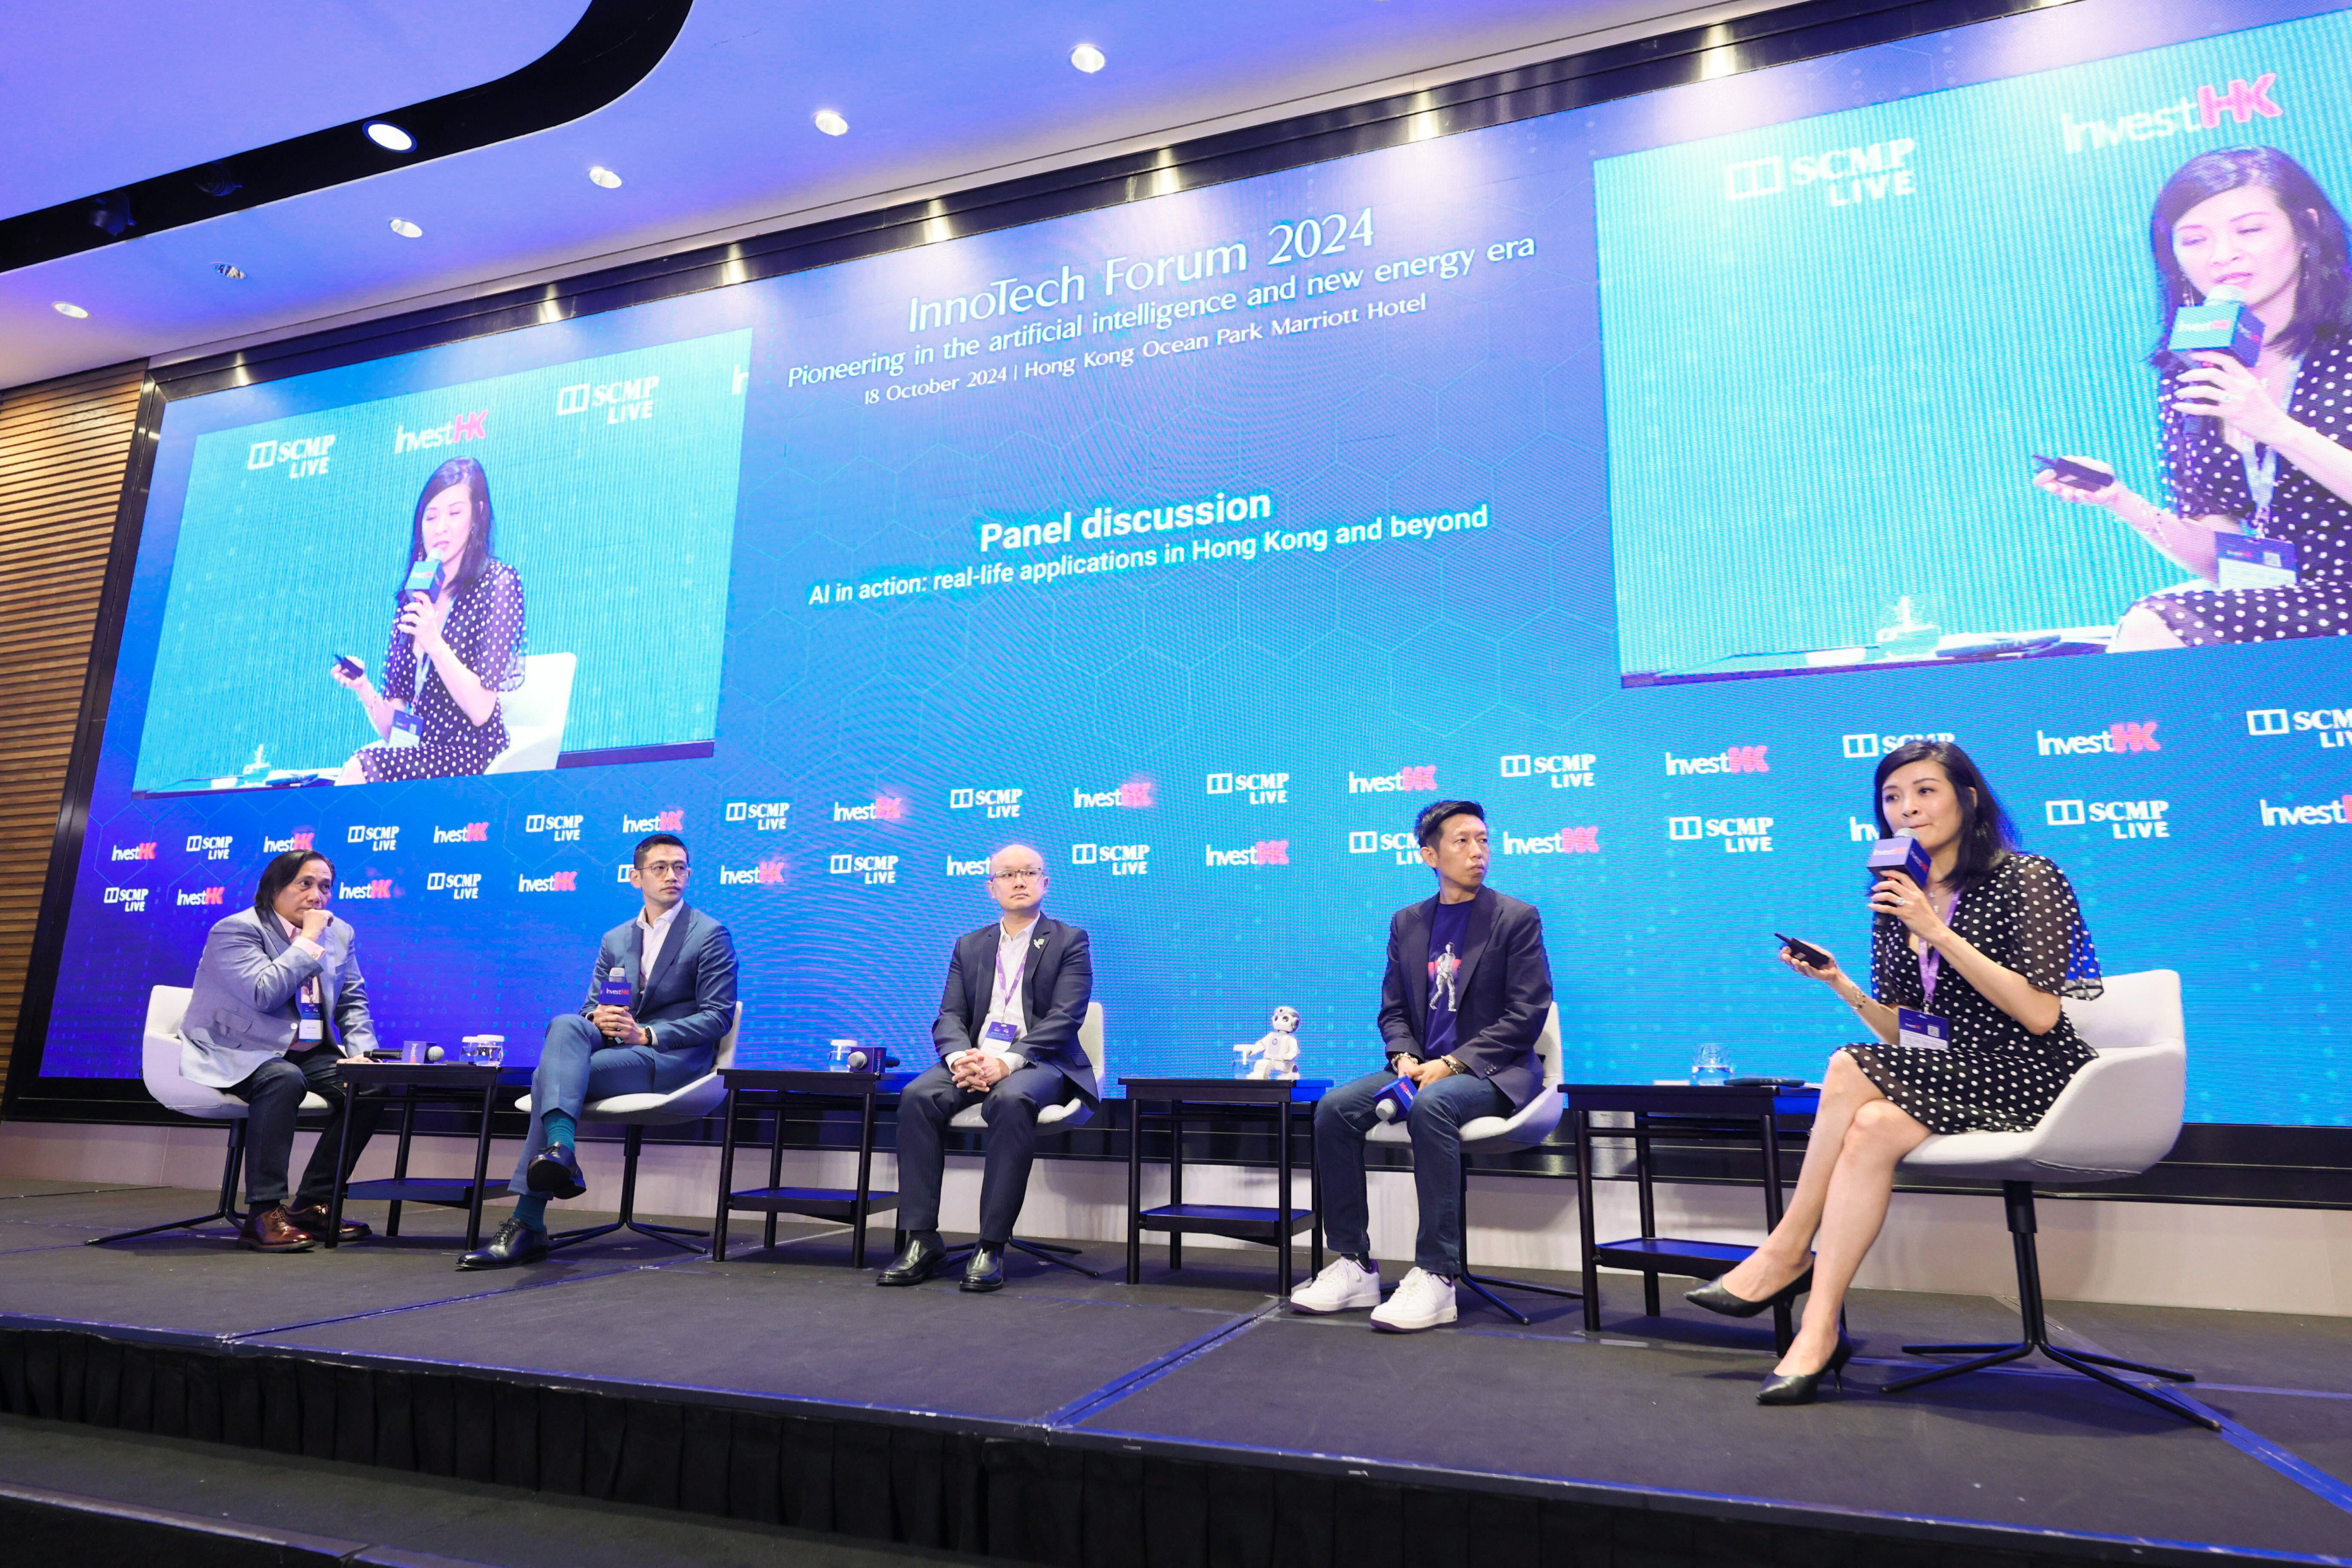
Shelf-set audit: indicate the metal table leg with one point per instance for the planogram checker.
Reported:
(1783, 1328)
(865, 1182)
(1314, 1198)
(1577, 1120)
(775, 1170)
(343, 1153)
(1175, 1180)
(1134, 1190)
(726, 1179)
(1281, 1243)
(481, 1167)
(400, 1156)
(1649, 1206)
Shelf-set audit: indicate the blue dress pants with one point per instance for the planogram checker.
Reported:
(578, 1063)
(1345, 1114)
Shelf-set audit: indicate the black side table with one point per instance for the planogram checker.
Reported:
(850, 1206)
(1688, 1112)
(1272, 1227)
(461, 1081)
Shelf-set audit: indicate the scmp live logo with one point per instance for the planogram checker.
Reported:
(873, 869)
(304, 458)
(1565, 769)
(2124, 818)
(2332, 725)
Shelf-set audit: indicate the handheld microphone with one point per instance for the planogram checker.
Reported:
(426, 577)
(614, 990)
(1901, 853)
(869, 1059)
(1394, 1103)
(2222, 324)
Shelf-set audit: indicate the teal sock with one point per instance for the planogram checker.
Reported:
(532, 1209)
(557, 1124)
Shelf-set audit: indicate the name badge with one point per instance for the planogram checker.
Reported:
(1003, 1032)
(310, 1026)
(405, 732)
(2243, 561)
(1922, 1031)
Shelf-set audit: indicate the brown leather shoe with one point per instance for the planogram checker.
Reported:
(313, 1219)
(273, 1230)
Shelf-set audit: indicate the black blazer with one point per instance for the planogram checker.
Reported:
(1504, 989)
(1056, 985)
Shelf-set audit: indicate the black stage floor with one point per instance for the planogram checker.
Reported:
(1184, 1419)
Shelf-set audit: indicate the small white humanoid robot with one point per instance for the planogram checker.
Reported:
(1277, 1049)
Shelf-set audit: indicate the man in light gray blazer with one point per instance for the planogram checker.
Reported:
(279, 1000)
(677, 966)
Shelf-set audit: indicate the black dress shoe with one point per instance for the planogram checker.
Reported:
(986, 1269)
(556, 1173)
(1804, 1387)
(515, 1243)
(1716, 1298)
(313, 1219)
(919, 1260)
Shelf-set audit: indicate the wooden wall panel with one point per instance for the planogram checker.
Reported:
(64, 445)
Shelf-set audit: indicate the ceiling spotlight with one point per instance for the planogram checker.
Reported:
(228, 269)
(606, 177)
(832, 124)
(66, 308)
(1087, 59)
(389, 137)
(405, 229)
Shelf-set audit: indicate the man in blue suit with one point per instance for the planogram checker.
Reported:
(1007, 1032)
(679, 965)
(277, 1005)
(1465, 997)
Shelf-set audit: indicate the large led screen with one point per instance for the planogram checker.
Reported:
(1201, 539)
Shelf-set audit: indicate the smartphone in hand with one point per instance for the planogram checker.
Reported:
(349, 668)
(1806, 951)
(2074, 476)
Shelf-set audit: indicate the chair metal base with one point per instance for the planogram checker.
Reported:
(2018, 1198)
(1484, 1286)
(675, 1235)
(1050, 1252)
(224, 1209)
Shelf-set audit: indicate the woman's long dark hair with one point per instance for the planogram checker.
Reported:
(456, 471)
(2322, 296)
(282, 870)
(1987, 835)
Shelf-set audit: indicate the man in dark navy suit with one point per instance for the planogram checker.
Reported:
(679, 967)
(1466, 996)
(1008, 1037)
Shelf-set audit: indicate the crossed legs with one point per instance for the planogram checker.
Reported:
(1858, 1137)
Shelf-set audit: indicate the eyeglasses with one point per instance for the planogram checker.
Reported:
(1020, 875)
(666, 869)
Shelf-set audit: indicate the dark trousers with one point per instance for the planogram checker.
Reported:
(1345, 1114)
(275, 1091)
(1007, 1148)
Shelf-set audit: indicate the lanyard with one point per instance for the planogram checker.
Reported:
(1931, 962)
(1006, 986)
(2261, 472)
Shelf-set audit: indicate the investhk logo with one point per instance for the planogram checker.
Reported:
(135, 851)
(462, 427)
(1733, 760)
(2116, 739)
(1265, 852)
(2204, 111)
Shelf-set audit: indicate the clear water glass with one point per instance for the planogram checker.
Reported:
(1709, 1065)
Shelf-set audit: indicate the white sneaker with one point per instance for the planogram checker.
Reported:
(1344, 1286)
(1422, 1301)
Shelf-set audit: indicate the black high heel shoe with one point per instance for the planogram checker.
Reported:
(1716, 1298)
(1804, 1387)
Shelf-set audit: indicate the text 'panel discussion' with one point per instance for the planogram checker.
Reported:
(1519, 784)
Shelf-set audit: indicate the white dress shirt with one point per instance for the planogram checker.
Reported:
(653, 935)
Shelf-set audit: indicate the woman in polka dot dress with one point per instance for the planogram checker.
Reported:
(462, 647)
(2258, 451)
(1993, 945)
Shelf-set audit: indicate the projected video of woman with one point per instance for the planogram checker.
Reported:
(452, 651)
(2248, 451)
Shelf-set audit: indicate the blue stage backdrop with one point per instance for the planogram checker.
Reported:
(1203, 540)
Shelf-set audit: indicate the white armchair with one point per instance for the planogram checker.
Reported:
(2116, 1117)
(159, 1069)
